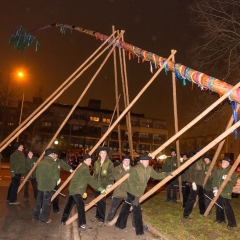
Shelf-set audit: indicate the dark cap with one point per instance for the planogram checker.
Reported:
(30, 150)
(144, 156)
(48, 151)
(206, 156)
(55, 151)
(16, 145)
(102, 149)
(173, 150)
(86, 156)
(226, 159)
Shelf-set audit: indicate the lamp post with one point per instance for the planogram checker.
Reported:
(21, 75)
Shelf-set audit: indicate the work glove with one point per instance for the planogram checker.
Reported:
(135, 202)
(71, 170)
(59, 180)
(102, 190)
(194, 186)
(224, 176)
(12, 174)
(108, 187)
(215, 191)
(84, 196)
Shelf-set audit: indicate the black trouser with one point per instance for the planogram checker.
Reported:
(137, 215)
(172, 184)
(192, 199)
(113, 209)
(55, 201)
(185, 192)
(209, 193)
(13, 188)
(226, 205)
(101, 208)
(43, 201)
(77, 198)
(34, 186)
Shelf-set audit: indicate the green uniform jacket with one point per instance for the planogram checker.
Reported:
(104, 174)
(217, 181)
(18, 162)
(208, 185)
(30, 163)
(196, 172)
(81, 179)
(139, 176)
(61, 164)
(47, 174)
(121, 190)
(170, 164)
(185, 172)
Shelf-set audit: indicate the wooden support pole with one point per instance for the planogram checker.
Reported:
(128, 116)
(117, 121)
(94, 201)
(185, 165)
(176, 127)
(50, 99)
(67, 117)
(117, 100)
(232, 170)
(198, 118)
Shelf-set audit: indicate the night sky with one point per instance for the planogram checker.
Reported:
(156, 26)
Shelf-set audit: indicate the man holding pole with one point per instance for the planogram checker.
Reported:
(103, 174)
(224, 200)
(77, 191)
(136, 185)
(47, 176)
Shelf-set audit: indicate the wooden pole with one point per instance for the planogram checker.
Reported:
(117, 121)
(128, 116)
(53, 96)
(116, 95)
(185, 165)
(198, 118)
(67, 117)
(39, 111)
(232, 170)
(94, 201)
(176, 127)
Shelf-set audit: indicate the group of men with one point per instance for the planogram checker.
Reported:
(46, 179)
(192, 186)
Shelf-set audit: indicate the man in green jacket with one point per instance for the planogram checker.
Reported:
(17, 169)
(136, 185)
(30, 161)
(60, 165)
(77, 191)
(224, 200)
(103, 174)
(47, 177)
(120, 192)
(169, 165)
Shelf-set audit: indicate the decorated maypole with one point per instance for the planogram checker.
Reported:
(21, 39)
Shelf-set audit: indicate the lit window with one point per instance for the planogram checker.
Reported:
(106, 120)
(10, 123)
(46, 124)
(94, 119)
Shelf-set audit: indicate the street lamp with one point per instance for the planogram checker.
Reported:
(21, 75)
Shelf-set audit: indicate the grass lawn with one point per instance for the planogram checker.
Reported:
(167, 218)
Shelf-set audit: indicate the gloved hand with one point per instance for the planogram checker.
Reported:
(135, 202)
(58, 182)
(224, 176)
(194, 186)
(12, 174)
(71, 170)
(168, 173)
(102, 190)
(84, 195)
(215, 191)
(108, 187)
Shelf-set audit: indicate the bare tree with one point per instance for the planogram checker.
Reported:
(217, 51)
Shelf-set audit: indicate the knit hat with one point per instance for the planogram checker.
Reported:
(207, 157)
(86, 156)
